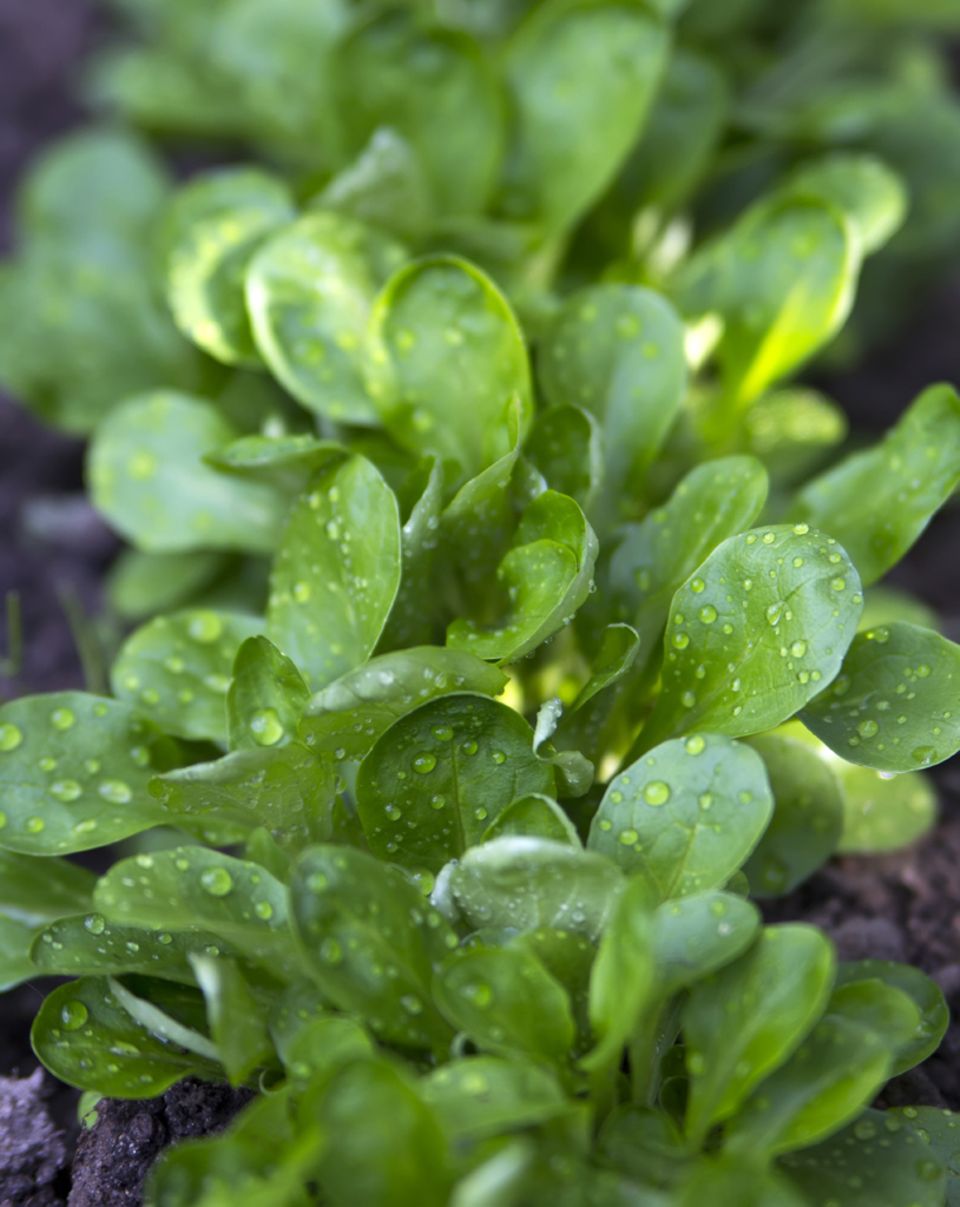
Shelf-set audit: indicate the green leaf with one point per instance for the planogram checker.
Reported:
(192, 888)
(688, 813)
(731, 1044)
(237, 1022)
(873, 197)
(768, 617)
(529, 884)
(833, 1074)
(893, 705)
(140, 585)
(782, 280)
(213, 227)
(876, 1160)
(414, 618)
(74, 770)
(176, 670)
(506, 1002)
(371, 1107)
(310, 291)
(285, 789)
(729, 1180)
(371, 943)
(925, 994)
(440, 776)
(448, 364)
(565, 447)
(86, 1038)
(878, 502)
(337, 571)
(347, 716)
(437, 88)
(617, 351)
(385, 185)
(695, 936)
(285, 461)
(16, 940)
(653, 558)
(148, 478)
(939, 1129)
(807, 817)
(89, 945)
(792, 430)
(484, 1096)
(545, 578)
(266, 698)
(319, 1046)
(35, 891)
(624, 974)
(582, 76)
(534, 816)
(883, 812)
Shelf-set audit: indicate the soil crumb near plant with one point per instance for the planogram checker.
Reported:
(113, 1158)
(34, 1161)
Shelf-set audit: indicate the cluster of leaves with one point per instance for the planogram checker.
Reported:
(553, 143)
(499, 632)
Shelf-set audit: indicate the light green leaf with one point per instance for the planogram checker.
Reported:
(449, 364)
(687, 814)
(310, 290)
(484, 1096)
(756, 633)
(506, 1002)
(213, 227)
(618, 352)
(414, 619)
(926, 995)
(266, 698)
(148, 478)
(440, 776)
(35, 891)
(534, 816)
(530, 884)
(74, 770)
(337, 571)
(731, 1044)
(371, 943)
(807, 818)
(545, 578)
(582, 76)
(873, 197)
(237, 1021)
(878, 502)
(565, 447)
(792, 430)
(347, 716)
(176, 670)
(729, 1180)
(893, 706)
(141, 585)
(85, 1037)
(883, 812)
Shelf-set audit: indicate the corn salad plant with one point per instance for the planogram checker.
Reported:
(506, 620)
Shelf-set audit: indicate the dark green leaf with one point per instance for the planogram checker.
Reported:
(697, 935)
(893, 705)
(534, 816)
(439, 777)
(237, 1021)
(687, 814)
(925, 994)
(486, 1095)
(565, 447)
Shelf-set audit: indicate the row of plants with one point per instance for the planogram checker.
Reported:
(500, 632)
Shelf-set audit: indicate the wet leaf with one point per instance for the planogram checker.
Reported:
(893, 705)
(439, 777)
(237, 1021)
(687, 814)
(883, 812)
(336, 572)
(925, 994)
(449, 364)
(731, 1045)
(371, 943)
(148, 478)
(768, 617)
(310, 290)
(484, 1096)
(176, 670)
(565, 447)
(696, 935)
(266, 698)
(74, 770)
(212, 229)
(534, 816)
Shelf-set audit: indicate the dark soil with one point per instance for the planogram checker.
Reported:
(112, 1159)
(53, 551)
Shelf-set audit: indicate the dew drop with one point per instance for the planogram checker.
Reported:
(266, 727)
(95, 924)
(205, 627)
(216, 881)
(62, 719)
(115, 791)
(10, 737)
(424, 763)
(657, 792)
(65, 790)
(73, 1015)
